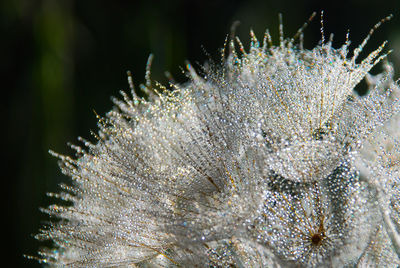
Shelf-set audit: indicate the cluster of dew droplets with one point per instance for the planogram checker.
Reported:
(311, 138)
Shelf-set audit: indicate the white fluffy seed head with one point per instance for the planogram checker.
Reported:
(270, 159)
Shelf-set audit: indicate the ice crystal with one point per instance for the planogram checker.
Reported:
(270, 159)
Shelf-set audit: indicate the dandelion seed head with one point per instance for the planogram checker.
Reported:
(268, 159)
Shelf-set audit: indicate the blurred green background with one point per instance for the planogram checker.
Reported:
(60, 59)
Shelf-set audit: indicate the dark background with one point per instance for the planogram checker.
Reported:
(60, 59)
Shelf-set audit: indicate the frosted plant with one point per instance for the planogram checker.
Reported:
(270, 159)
